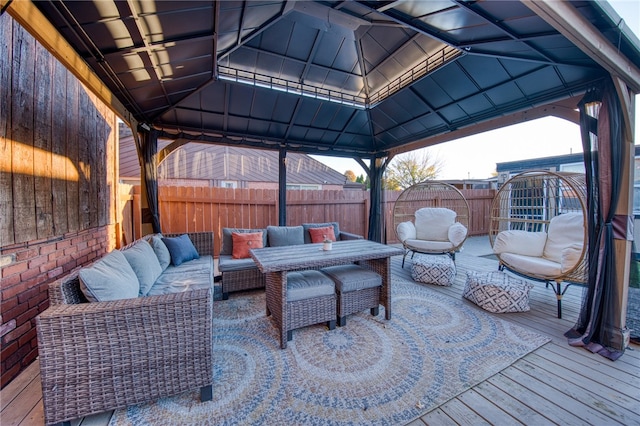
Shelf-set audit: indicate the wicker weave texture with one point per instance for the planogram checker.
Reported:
(245, 279)
(302, 313)
(357, 301)
(96, 357)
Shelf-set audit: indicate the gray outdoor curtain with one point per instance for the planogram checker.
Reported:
(603, 145)
(149, 150)
(376, 171)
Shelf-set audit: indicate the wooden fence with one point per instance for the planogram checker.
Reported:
(193, 209)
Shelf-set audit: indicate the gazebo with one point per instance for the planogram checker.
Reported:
(360, 79)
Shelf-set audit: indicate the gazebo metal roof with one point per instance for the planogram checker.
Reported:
(344, 78)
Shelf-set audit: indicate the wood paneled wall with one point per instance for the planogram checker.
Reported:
(58, 185)
(57, 145)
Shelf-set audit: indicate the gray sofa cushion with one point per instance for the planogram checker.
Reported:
(192, 275)
(145, 264)
(110, 278)
(308, 284)
(173, 283)
(352, 277)
(306, 226)
(285, 235)
(227, 241)
(161, 250)
(226, 263)
(203, 263)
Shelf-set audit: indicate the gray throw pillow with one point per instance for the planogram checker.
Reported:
(161, 251)
(285, 235)
(110, 278)
(144, 263)
(181, 249)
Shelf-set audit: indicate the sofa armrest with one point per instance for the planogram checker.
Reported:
(202, 241)
(349, 236)
(457, 233)
(114, 354)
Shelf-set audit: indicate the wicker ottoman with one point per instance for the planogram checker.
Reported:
(311, 299)
(433, 269)
(497, 292)
(358, 289)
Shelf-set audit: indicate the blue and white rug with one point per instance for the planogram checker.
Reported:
(371, 372)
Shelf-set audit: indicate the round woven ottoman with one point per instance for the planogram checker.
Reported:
(497, 292)
(433, 269)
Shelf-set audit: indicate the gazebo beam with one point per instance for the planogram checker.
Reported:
(565, 109)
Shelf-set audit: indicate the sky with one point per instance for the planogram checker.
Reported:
(475, 157)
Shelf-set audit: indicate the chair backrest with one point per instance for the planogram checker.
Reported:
(432, 223)
(564, 231)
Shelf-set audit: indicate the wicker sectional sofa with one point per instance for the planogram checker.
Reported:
(104, 355)
(243, 274)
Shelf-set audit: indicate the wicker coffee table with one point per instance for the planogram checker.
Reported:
(275, 262)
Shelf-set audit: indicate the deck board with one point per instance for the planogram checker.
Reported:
(510, 404)
(555, 384)
(557, 390)
(543, 406)
(486, 409)
(612, 390)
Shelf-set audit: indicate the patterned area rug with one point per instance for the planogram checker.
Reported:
(370, 372)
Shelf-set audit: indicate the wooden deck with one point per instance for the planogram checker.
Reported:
(556, 384)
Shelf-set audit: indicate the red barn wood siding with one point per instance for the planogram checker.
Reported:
(58, 185)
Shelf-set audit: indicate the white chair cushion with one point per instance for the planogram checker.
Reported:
(564, 230)
(432, 223)
(520, 242)
(406, 231)
(570, 257)
(457, 233)
(433, 246)
(532, 265)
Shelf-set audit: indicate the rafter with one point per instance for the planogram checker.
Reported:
(502, 28)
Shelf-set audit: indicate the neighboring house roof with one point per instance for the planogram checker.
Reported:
(227, 163)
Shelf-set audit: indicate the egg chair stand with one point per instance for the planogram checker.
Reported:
(431, 217)
(537, 228)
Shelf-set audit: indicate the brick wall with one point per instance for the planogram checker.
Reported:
(26, 271)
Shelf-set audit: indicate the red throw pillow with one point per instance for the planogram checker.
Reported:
(318, 235)
(243, 242)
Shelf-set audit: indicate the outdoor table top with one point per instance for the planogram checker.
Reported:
(290, 258)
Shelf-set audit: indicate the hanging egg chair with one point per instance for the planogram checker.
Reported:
(538, 228)
(431, 217)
